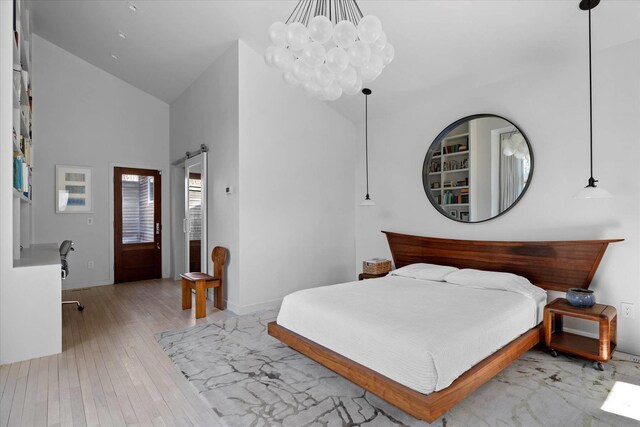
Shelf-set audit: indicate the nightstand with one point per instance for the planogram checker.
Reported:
(598, 350)
(363, 276)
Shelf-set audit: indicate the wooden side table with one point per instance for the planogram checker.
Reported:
(363, 276)
(598, 350)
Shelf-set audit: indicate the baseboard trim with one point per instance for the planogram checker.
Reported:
(252, 308)
(73, 286)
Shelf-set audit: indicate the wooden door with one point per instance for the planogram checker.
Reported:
(138, 232)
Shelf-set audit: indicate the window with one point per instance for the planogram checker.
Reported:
(150, 192)
(137, 209)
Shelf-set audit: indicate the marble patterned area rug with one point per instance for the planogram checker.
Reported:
(251, 379)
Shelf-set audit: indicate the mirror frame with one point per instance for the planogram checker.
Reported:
(204, 238)
(438, 139)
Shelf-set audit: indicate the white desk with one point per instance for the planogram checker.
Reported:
(39, 254)
(31, 325)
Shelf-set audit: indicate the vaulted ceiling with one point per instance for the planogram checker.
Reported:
(169, 44)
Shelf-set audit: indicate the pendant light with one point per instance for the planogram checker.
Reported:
(591, 191)
(329, 47)
(366, 91)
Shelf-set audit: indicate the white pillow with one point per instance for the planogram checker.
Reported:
(494, 280)
(424, 271)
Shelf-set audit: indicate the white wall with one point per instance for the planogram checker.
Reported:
(207, 113)
(296, 187)
(84, 116)
(6, 151)
(551, 107)
(289, 223)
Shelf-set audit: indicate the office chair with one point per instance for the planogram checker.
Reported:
(65, 248)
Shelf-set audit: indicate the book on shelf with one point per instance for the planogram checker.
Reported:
(454, 148)
(450, 198)
(26, 113)
(434, 167)
(17, 84)
(21, 176)
(25, 179)
(25, 146)
(25, 79)
(17, 172)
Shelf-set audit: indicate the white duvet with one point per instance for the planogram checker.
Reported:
(420, 333)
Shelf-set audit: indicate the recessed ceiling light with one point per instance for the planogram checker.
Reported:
(114, 56)
(133, 7)
(122, 35)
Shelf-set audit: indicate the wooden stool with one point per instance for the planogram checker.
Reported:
(202, 281)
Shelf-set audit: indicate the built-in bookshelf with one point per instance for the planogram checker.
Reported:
(449, 173)
(31, 324)
(22, 135)
(22, 149)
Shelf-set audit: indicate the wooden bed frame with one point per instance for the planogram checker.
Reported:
(556, 266)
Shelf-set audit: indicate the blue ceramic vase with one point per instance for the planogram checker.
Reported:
(578, 297)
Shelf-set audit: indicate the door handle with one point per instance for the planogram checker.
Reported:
(158, 245)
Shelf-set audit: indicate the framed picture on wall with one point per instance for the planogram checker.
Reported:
(73, 189)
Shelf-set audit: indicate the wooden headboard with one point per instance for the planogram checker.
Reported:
(556, 266)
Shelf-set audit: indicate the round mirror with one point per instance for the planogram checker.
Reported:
(477, 168)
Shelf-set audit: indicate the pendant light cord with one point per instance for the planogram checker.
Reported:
(366, 140)
(335, 10)
(590, 105)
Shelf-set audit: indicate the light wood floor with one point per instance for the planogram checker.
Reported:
(111, 370)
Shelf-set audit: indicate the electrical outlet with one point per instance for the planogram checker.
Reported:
(627, 310)
(90, 264)
(90, 221)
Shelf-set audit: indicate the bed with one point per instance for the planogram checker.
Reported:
(424, 345)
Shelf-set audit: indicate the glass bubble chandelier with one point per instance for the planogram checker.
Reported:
(515, 145)
(328, 47)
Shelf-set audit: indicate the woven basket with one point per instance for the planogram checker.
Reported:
(377, 267)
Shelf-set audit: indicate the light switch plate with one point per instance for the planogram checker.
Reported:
(90, 221)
